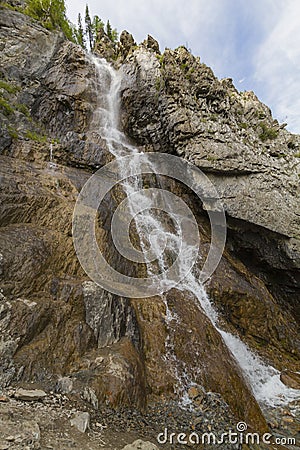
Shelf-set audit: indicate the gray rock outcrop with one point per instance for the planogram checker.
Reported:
(174, 103)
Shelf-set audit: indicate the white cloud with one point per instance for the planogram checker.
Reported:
(169, 21)
(204, 26)
(277, 65)
(258, 41)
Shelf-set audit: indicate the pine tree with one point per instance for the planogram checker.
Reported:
(89, 28)
(80, 32)
(109, 30)
(114, 35)
(98, 25)
(111, 33)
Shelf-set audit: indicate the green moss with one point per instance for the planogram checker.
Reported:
(244, 125)
(6, 108)
(297, 155)
(32, 135)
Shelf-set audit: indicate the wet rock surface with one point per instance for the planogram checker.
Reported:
(290, 379)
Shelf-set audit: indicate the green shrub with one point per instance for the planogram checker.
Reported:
(6, 107)
(12, 132)
(32, 135)
(8, 6)
(189, 74)
(9, 87)
(111, 33)
(23, 109)
(161, 59)
(184, 67)
(159, 84)
(267, 133)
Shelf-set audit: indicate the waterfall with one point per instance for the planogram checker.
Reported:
(51, 153)
(263, 379)
(52, 165)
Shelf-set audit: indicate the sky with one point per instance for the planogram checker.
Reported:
(254, 42)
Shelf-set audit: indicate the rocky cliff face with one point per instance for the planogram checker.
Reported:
(174, 103)
(55, 323)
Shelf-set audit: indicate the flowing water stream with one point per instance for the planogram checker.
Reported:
(264, 380)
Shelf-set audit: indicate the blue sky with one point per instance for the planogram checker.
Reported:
(255, 42)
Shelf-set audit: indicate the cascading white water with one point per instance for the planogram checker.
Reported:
(51, 153)
(264, 379)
